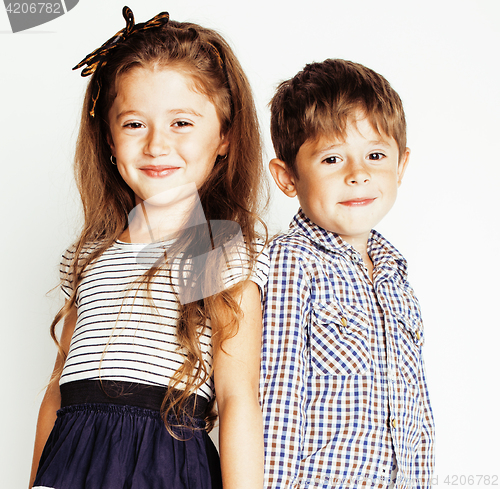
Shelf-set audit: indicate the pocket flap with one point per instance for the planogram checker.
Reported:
(413, 324)
(339, 340)
(345, 316)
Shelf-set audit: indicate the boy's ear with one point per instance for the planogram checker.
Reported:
(283, 177)
(402, 165)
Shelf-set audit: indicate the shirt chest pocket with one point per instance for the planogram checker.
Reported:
(411, 338)
(339, 340)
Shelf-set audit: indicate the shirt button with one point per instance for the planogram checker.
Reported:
(394, 423)
(344, 322)
(418, 335)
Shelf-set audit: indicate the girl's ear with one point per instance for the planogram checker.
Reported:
(283, 177)
(224, 146)
(110, 142)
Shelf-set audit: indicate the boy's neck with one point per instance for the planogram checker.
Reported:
(360, 244)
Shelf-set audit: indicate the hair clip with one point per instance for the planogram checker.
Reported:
(216, 51)
(98, 58)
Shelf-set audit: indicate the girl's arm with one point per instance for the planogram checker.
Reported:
(52, 398)
(236, 377)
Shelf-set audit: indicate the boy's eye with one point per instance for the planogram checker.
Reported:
(331, 160)
(181, 123)
(376, 156)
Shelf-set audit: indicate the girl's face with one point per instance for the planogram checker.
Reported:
(164, 134)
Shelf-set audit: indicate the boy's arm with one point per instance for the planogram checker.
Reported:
(283, 371)
(424, 453)
(424, 460)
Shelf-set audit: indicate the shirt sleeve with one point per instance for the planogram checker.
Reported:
(65, 272)
(284, 364)
(238, 265)
(424, 458)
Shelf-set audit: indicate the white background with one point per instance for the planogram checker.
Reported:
(441, 56)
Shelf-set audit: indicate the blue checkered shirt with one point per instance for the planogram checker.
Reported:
(343, 387)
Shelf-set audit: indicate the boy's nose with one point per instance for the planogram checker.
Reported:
(357, 174)
(157, 143)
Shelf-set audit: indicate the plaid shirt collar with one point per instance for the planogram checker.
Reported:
(383, 254)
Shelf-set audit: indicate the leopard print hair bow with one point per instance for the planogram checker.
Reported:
(99, 57)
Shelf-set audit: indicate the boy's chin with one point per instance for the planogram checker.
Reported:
(348, 234)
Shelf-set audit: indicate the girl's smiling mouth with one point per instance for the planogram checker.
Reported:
(158, 171)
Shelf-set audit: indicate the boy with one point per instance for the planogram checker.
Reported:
(343, 388)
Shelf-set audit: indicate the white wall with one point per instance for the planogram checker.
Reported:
(440, 55)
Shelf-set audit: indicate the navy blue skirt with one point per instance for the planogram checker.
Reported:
(108, 445)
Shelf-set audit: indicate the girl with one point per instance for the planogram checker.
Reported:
(168, 148)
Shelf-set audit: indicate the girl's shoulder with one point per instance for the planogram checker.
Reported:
(87, 249)
(68, 260)
(245, 262)
(71, 254)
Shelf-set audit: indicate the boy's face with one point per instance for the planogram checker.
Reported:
(346, 186)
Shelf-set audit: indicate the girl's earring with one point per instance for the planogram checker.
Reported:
(113, 160)
(221, 158)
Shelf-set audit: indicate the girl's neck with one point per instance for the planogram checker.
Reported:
(161, 217)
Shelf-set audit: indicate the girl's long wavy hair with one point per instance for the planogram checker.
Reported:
(232, 192)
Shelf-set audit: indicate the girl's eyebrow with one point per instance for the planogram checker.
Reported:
(186, 111)
(173, 111)
(128, 112)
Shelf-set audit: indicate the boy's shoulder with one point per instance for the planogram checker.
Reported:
(306, 239)
(310, 247)
(301, 232)
(381, 250)
(294, 242)
(308, 244)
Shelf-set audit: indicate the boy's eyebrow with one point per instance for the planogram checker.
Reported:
(377, 142)
(325, 149)
(380, 141)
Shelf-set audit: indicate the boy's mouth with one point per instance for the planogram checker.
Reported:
(357, 202)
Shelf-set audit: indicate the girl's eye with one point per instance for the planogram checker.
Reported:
(133, 125)
(376, 156)
(331, 160)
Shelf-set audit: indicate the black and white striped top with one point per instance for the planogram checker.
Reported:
(120, 333)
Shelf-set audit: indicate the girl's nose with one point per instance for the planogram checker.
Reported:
(157, 143)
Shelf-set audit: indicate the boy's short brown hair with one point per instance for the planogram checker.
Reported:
(320, 99)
